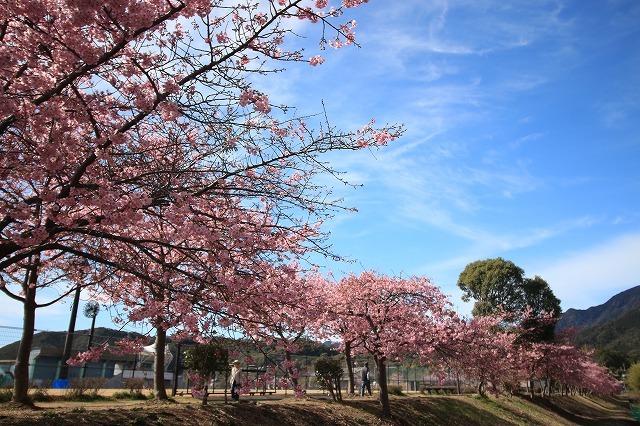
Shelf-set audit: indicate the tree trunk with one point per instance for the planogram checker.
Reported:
(21, 374)
(205, 397)
(385, 407)
(351, 386)
(531, 386)
(331, 391)
(294, 380)
(481, 387)
(159, 388)
(226, 388)
(338, 389)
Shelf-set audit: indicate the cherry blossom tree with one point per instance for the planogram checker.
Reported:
(276, 310)
(101, 99)
(571, 368)
(197, 290)
(28, 278)
(499, 359)
(326, 321)
(393, 317)
(480, 348)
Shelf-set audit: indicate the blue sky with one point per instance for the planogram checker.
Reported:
(522, 141)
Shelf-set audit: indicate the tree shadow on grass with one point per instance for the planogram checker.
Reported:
(446, 411)
(450, 411)
(610, 414)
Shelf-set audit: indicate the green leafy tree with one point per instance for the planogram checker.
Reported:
(203, 362)
(633, 376)
(329, 374)
(539, 297)
(498, 284)
(612, 359)
(493, 283)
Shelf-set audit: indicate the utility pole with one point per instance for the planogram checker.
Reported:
(174, 389)
(68, 343)
(91, 310)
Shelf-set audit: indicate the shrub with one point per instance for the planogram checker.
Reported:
(41, 395)
(203, 361)
(5, 395)
(395, 390)
(134, 384)
(136, 395)
(329, 374)
(85, 388)
(633, 377)
(96, 384)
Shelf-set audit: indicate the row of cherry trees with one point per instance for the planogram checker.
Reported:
(140, 160)
(400, 318)
(393, 319)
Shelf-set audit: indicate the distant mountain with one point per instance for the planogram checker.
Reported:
(56, 339)
(614, 308)
(621, 335)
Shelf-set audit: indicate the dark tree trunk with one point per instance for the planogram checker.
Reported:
(21, 373)
(294, 380)
(481, 387)
(331, 391)
(338, 389)
(205, 397)
(159, 388)
(385, 407)
(351, 386)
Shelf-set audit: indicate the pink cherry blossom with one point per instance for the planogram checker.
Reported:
(127, 139)
(316, 60)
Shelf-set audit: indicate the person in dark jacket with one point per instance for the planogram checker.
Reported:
(366, 383)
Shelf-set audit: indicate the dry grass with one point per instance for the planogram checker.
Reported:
(318, 410)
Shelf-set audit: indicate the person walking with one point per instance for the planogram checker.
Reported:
(364, 372)
(235, 380)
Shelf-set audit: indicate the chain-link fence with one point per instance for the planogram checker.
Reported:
(46, 364)
(8, 335)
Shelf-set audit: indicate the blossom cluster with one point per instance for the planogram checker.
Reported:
(316, 60)
(259, 101)
(138, 156)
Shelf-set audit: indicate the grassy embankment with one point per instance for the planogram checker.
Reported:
(317, 410)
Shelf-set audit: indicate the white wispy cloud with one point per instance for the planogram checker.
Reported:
(589, 277)
(616, 114)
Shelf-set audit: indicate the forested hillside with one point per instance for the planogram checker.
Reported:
(614, 308)
(57, 339)
(612, 328)
(620, 335)
(307, 347)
